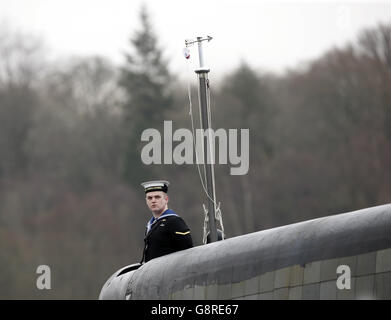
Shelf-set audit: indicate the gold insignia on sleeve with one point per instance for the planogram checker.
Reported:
(183, 233)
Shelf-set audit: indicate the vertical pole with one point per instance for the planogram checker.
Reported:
(200, 52)
(205, 125)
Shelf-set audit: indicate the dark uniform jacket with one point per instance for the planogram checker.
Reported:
(167, 234)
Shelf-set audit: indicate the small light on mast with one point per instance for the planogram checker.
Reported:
(186, 53)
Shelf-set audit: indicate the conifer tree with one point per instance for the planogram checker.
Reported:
(146, 81)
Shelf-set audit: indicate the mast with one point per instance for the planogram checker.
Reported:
(202, 73)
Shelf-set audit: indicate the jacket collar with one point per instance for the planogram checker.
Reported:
(166, 213)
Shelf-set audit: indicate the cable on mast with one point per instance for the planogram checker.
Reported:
(208, 183)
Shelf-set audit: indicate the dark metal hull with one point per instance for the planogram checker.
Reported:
(239, 267)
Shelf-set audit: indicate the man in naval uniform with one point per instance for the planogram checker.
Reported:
(166, 232)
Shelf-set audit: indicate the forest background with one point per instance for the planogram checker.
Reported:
(70, 166)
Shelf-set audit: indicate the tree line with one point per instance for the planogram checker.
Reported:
(70, 167)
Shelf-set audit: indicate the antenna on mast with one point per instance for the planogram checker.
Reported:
(212, 208)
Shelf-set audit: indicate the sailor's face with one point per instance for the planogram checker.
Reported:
(157, 202)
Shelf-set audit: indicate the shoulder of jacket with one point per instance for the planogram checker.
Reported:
(172, 218)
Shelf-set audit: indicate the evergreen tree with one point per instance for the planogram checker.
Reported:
(146, 81)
